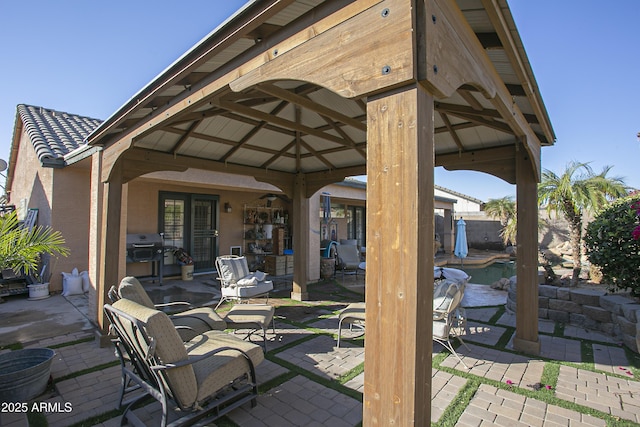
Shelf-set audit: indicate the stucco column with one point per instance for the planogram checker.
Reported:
(526, 339)
(399, 281)
(95, 222)
(301, 228)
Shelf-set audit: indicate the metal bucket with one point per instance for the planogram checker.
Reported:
(24, 373)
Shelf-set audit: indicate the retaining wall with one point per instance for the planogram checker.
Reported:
(596, 310)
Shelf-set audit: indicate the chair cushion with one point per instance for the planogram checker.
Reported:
(199, 320)
(249, 291)
(218, 371)
(169, 348)
(131, 289)
(232, 269)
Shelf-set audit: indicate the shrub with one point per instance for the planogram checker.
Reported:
(610, 245)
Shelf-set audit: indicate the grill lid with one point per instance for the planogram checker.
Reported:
(144, 240)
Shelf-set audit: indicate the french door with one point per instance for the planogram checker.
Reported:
(356, 224)
(189, 221)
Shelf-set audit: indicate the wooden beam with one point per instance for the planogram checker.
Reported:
(310, 105)
(165, 161)
(112, 257)
(399, 263)
(455, 57)
(499, 162)
(451, 130)
(287, 124)
(526, 339)
(355, 51)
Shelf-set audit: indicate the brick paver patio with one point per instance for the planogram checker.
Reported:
(313, 383)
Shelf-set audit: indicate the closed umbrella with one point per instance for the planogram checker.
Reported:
(461, 249)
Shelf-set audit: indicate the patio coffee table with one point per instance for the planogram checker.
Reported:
(252, 316)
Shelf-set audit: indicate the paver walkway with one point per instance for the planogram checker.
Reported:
(307, 381)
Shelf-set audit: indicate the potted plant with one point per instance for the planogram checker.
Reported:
(21, 250)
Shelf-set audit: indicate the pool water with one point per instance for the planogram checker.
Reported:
(488, 274)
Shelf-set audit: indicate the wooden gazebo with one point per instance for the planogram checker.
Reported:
(303, 93)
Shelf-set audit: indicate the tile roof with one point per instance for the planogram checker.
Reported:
(55, 133)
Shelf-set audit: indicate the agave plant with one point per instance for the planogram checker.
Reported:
(21, 248)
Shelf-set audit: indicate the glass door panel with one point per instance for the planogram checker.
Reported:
(204, 232)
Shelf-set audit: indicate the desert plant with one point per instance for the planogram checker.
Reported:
(610, 245)
(21, 248)
(577, 191)
(504, 210)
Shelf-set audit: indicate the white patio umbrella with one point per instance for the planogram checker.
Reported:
(461, 249)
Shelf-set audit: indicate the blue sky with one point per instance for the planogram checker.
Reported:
(88, 58)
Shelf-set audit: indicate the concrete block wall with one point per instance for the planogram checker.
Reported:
(593, 309)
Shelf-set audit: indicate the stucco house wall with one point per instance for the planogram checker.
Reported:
(70, 215)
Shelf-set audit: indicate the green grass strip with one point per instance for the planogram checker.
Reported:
(498, 314)
(550, 374)
(334, 385)
(348, 376)
(87, 371)
(544, 395)
(586, 353)
(460, 402)
(12, 347)
(70, 343)
(504, 338)
(558, 330)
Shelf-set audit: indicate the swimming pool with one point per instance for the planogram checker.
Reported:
(490, 273)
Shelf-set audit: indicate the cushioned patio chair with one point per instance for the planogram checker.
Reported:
(354, 315)
(189, 321)
(237, 283)
(348, 259)
(447, 298)
(204, 378)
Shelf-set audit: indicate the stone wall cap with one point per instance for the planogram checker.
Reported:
(591, 292)
(618, 299)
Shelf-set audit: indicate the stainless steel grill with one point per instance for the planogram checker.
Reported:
(146, 247)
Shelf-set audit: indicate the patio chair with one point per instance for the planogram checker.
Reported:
(447, 298)
(354, 315)
(237, 283)
(189, 321)
(203, 378)
(348, 258)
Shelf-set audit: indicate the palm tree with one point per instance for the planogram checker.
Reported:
(21, 248)
(578, 191)
(504, 210)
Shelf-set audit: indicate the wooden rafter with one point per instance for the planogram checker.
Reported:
(346, 137)
(185, 136)
(279, 121)
(451, 130)
(253, 132)
(308, 104)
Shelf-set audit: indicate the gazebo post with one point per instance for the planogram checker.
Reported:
(526, 339)
(301, 226)
(111, 261)
(399, 282)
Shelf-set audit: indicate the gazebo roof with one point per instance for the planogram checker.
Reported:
(292, 126)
